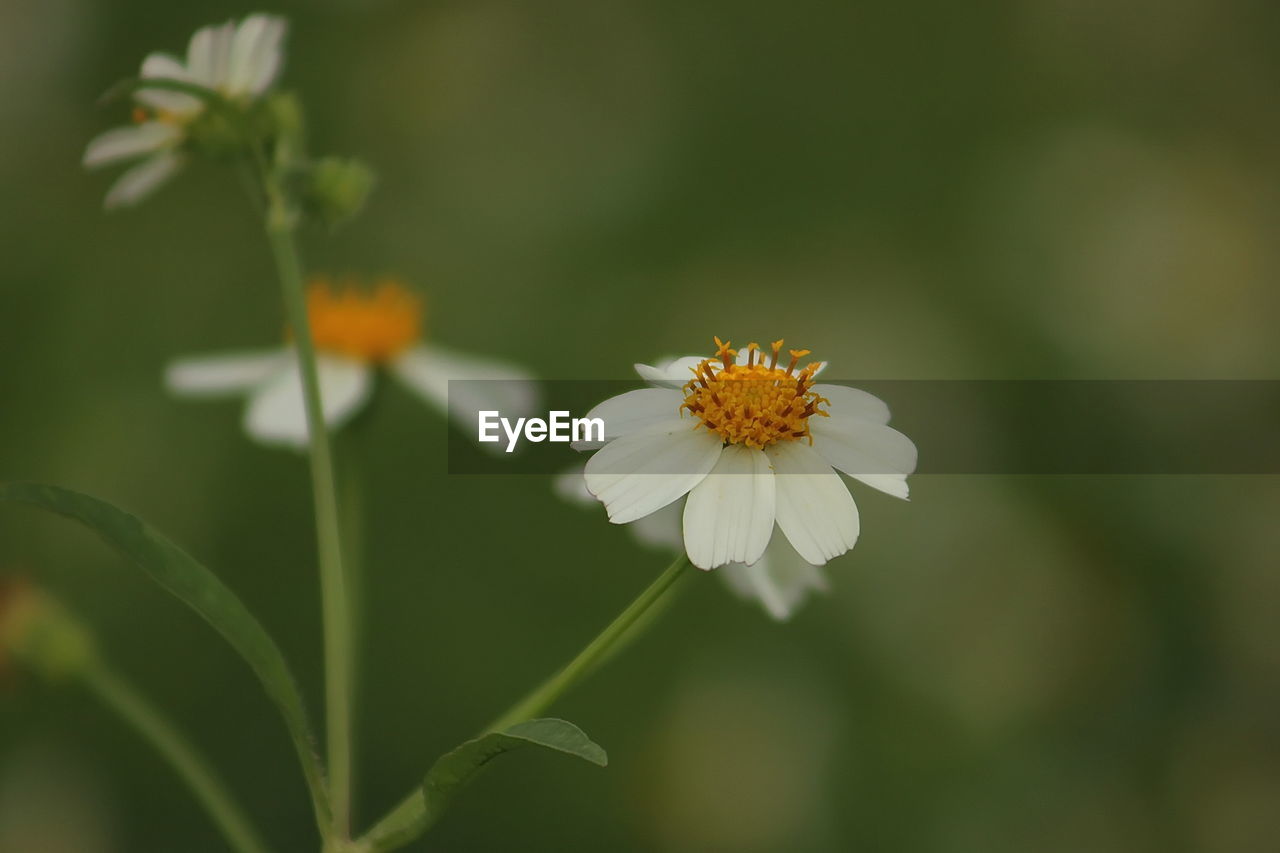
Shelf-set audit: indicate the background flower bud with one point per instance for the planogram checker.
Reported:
(337, 187)
(36, 631)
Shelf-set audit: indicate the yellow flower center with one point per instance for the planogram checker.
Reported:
(754, 404)
(141, 115)
(370, 325)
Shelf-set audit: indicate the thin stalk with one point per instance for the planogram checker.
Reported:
(333, 579)
(189, 764)
(544, 695)
(351, 506)
(409, 819)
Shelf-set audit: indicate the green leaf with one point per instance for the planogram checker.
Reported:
(455, 769)
(172, 568)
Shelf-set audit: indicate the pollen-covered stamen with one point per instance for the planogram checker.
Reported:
(796, 355)
(750, 403)
(370, 325)
(724, 353)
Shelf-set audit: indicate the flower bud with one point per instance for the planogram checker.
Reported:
(282, 119)
(39, 633)
(337, 187)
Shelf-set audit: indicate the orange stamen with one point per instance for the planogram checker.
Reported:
(752, 404)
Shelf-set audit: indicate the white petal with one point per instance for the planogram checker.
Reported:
(639, 473)
(853, 403)
(200, 56)
(875, 454)
(142, 180)
(670, 374)
(242, 47)
(478, 384)
(780, 580)
(815, 509)
(268, 56)
(225, 373)
(256, 40)
(125, 143)
(165, 67)
(729, 515)
(659, 529)
(633, 411)
(220, 40)
(277, 415)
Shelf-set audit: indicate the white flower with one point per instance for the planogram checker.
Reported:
(355, 332)
(239, 62)
(751, 444)
(780, 580)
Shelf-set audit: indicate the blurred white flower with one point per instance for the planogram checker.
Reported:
(780, 580)
(238, 61)
(355, 332)
(751, 444)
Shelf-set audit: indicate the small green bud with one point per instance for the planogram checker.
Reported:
(283, 120)
(36, 631)
(337, 187)
(286, 114)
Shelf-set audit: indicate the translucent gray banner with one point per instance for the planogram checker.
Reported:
(1038, 427)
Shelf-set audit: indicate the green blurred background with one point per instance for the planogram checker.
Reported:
(1039, 189)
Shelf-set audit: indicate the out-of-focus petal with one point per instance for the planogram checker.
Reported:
(224, 374)
(142, 180)
(125, 143)
(277, 414)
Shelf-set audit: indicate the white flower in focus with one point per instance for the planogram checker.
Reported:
(780, 580)
(751, 444)
(355, 333)
(238, 61)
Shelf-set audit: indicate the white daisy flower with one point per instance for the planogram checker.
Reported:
(238, 61)
(751, 444)
(780, 580)
(355, 332)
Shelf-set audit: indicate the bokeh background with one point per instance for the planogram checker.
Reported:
(1035, 189)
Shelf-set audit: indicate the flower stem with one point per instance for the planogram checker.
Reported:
(410, 818)
(544, 695)
(333, 578)
(139, 713)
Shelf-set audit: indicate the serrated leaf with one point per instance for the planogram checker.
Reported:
(176, 571)
(456, 768)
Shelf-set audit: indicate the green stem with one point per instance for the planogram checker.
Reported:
(351, 505)
(333, 579)
(410, 818)
(125, 701)
(544, 695)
